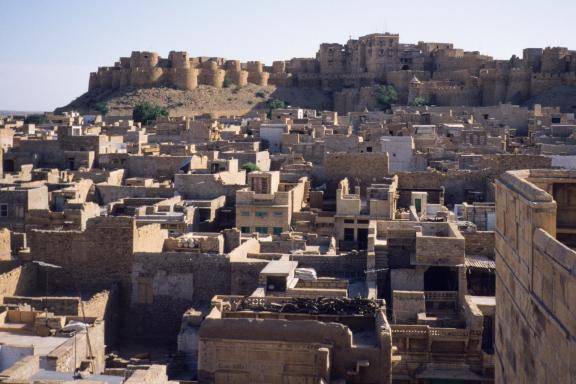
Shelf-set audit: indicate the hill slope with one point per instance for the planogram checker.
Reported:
(204, 99)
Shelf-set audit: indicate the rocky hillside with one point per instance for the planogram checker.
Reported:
(204, 99)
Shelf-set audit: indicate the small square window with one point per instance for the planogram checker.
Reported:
(277, 230)
(245, 229)
(261, 213)
(3, 210)
(278, 213)
(262, 230)
(245, 213)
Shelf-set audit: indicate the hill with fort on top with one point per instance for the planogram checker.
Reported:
(343, 77)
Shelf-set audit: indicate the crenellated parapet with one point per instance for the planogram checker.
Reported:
(147, 69)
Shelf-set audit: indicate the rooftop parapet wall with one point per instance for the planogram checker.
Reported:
(440, 244)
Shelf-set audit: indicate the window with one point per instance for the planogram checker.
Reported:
(262, 230)
(278, 213)
(3, 210)
(245, 229)
(245, 213)
(145, 291)
(349, 221)
(261, 213)
(348, 234)
(277, 230)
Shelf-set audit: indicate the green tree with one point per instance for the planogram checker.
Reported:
(386, 95)
(227, 83)
(102, 108)
(35, 119)
(276, 104)
(145, 112)
(250, 167)
(418, 102)
(261, 94)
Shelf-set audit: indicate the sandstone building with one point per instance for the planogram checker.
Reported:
(535, 242)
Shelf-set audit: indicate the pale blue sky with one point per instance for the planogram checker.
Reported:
(49, 47)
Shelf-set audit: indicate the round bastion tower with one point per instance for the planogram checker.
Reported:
(279, 76)
(182, 74)
(144, 70)
(235, 74)
(256, 74)
(211, 74)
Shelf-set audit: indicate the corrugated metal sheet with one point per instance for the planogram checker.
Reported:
(478, 261)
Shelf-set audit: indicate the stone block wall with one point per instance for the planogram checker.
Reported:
(479, 243)
(350, 265)
(245, 275)
(19, 280)
(368, 168)
(68, 356)
(167, 284)
(23, 369)
(108, 193)
(321, 350)
(455, 184)
(433, 248)
(96, 258)
(407, 305)
(5, 244)
(60, 306)
(535, 278)
(154, 374)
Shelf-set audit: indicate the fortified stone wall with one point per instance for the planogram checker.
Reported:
(147, 69)
(447, 76)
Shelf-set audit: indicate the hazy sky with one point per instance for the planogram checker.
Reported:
(48, 48)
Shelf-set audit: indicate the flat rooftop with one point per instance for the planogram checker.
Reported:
(324, 306)
(69, 377)
(42, 345)
(279, 268)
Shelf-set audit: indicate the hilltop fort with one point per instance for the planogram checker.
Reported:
(430, 73)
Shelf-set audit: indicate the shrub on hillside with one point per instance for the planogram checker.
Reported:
(145, 112)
